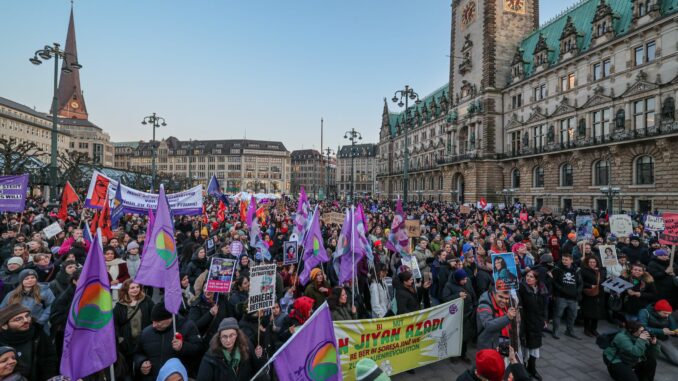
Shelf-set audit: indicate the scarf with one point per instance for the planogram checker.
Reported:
(16, 338)
(232, 358)
(113, 267)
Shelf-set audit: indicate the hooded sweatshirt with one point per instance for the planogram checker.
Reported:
(171, 367)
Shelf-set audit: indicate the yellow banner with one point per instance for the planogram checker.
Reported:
(403, 342)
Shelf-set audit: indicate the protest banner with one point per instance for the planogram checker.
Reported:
(236, 248)
(670, 234)
(13, 191)
(291, 253)
(262, 288)
(654, 223)
(412, 227)
(52, 230)
(400, 343)
(608, 253)
(584, 226)
(333, 218)
(620, 225)
(464, 209)
(616, 285)
(187, 202)
(220, 276)
(504, 272)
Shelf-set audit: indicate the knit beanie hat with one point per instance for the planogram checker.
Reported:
(132, 245)
(546, 258)
(315, 272)
(572, 235)
(466, 248)
(460, 274)
(6, 349)
(228, 323)
(663, 306)
(26, 272)
(10, 311)
(367, 369)
(490, 365)
(16, 261)
(159, 312)
(661, 253)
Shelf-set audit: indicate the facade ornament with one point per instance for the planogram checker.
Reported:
(620, 119)
(551, 134)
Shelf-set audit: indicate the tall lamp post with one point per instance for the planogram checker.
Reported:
(400, 96)
(155, 121)
(45, 54)
(610, 192)
(327, 151)
(353, 136)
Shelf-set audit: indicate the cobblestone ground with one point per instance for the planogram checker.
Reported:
(566, 359)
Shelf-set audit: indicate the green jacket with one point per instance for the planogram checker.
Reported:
(313, 292)
(628, 349)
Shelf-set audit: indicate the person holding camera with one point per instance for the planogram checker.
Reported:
(490, 366)
(658, 320)
(632, 354)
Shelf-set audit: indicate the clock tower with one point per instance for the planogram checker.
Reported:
(71, 99)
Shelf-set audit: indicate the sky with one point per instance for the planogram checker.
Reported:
(226, 69)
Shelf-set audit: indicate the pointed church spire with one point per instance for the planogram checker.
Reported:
(71, 99)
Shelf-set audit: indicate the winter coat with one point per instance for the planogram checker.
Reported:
(483, 281)
(628, 349)
(451, 292)
(532, 316)
(518, 370)
(444, 274)
(648, 293)
(406, 299)
(314, 293)
(196, 267)
(9, 278)
(422, 256)
(593, 307)
(207, 324)
(655, 324)
(213, 367)
(117, 270)
(156, 347)
(38, 360)
(379, 298)
(637, 254)
(662, 280)
(123, 328)
(39, 311)
(60, 283)
(342, 313)
(492, 323)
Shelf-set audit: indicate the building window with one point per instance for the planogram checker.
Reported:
(567, 82)
(601, 69)
(643, 113)
(517, 101)
(644, 206)
(538, 203)
(540, 92)
(601, 123)
(538, 133)
(515, 142)
(601, 173)
(567, 130)
(644, 170)
(538, 177)
(566, 178)
(515, 178)
(645, 53)
(566, 204)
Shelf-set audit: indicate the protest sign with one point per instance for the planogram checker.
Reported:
(220, 275)
(616, 285)
(262, 288)
(584, 228)
(13, 191)
(620, 225)
(504, 272)
(413, 229)
(403, 342)
(464, 209)
(670, 234)
(209, 246)
(608, 253)
(411, 262)
(524, 216)
(333, 218)
(654, 223)
(236, 248)
(291, 253)
(52, 230)
(546, 210)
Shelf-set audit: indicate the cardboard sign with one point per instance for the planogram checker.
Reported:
(236, 248)
(546, 210)
(220, 276)
(620, 225)
(52, 230)
(670, 234)
(654, 223)
(291, 253)
(616, 285)
(608, 253)
(464, 209)
(412, 227)
(333, 218)
(584, 228)
(209, 246)
(505, 272)
(262, 288)
(411, 262)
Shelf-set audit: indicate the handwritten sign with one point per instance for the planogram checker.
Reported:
(654, 224)
(546, 210)
(333, 218)
(413, 229)
(616, 285)
(464, 209)
(670, 234)
(52, 230)
(620, 225)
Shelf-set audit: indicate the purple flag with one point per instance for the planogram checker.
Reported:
(311, 353)
(301, 217)
(159, 265)
(90, 333)
(251, 211)
(344, 241)
(13, 193)
(398, 241)
(149, 228)
(314, 250)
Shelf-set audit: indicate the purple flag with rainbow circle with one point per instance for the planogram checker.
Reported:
(314, 249)
(159, 263)
(89, 339)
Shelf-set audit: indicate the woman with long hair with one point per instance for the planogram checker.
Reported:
(339, 306)
(131, 315)
(31, 295)
(379, 295)
(230, 356)
(641, 294)
(593, 297)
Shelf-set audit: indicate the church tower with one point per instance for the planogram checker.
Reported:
(71, 99)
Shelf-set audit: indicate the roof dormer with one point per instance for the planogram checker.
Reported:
(569, 45)
(541, 54)
(603, 29)
(517, 66)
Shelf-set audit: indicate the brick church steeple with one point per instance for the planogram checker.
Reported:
(71, 99)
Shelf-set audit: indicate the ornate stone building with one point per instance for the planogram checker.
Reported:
(312, 170)
(364, 169)
(550, 116)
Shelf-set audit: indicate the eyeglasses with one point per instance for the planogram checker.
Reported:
(229, 337)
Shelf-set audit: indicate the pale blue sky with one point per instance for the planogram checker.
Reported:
(222, 69)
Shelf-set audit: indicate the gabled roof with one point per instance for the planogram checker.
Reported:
(436, 96)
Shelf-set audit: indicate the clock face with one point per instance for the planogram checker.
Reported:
(74, 104)
(468, 14)
(517, 6)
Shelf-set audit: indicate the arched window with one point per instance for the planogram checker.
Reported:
(538, 177)
(601, 172)
(566, 179)
(515, 178)
(644, 170)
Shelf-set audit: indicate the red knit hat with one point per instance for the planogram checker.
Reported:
(490, 365)
(663, 305)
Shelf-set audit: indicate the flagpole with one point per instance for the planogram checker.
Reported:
(174, 324)
(353, 255)
(112, 373)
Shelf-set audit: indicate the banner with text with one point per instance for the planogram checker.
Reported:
(670, 234)
(403, 342)
(13, 191)
(621, 225)
(262, 288)
(220, 276)
(654, 223)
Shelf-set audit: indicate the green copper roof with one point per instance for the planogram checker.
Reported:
(397, 118)
(582, 15)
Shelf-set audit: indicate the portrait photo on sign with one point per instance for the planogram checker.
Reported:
(290, 250)
(504, 272)
(608, 253)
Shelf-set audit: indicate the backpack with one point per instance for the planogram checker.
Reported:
(605, 340)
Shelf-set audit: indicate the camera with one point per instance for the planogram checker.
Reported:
(503, 349)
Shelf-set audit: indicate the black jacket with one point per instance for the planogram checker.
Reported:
(593, 307)
(407, 300)
(156, 347)
(38, 360)
(213, 367)
(663, 281)
(533, 314)
(518, 370)
(207, 324)
(196, 267)
(123, 329)
(451, 291)
(566, 282)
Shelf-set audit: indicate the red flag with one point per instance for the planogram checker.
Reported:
(68, 196)
(204, 215)
(243, 210)
(483, 203)
(102, 220)
(221, 213)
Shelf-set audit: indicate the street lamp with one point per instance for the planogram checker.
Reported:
(155, 122)
(353, 136)
(398, 98)
(328, 151)
(46, 53)
(610, 192)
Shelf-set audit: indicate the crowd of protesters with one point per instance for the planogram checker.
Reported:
(559, 277)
